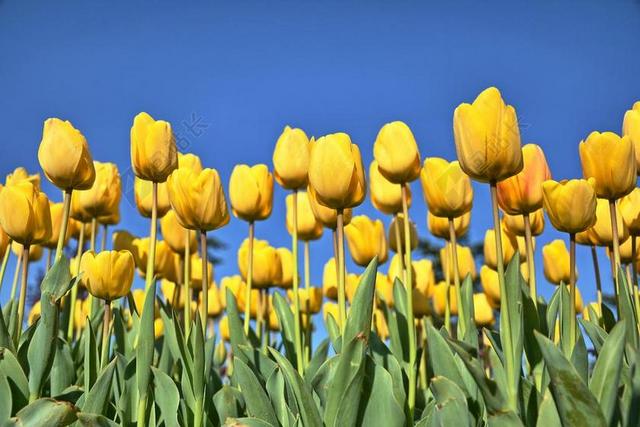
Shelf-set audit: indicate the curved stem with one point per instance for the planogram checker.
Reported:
(74, 291)
(340, 266)
(530, 259)
(204, 310)
(596, 270)
(572, 289)
(187, 284)
(409, 290)
(106, 319)
(247, 295)
(5, 261)
(296, 285)
(456, 279)
(66, 209)
(23, 291)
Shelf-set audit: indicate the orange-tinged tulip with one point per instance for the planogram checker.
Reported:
(515, 223)
(20, 174)
(631, 128)
(64, 156)
(309, 227)
(466, 263)
(555, 257)
(35, 251)
(396, 271)
(104, 195)
(144, 197)
(396, 152)
(107, 275)
(251, 192)
(286, 261)
(291, 158)
(601, 231)
(198, 199)
(310, 300)
(366, 240)
(447, 189)
(153, 148)
(439, 302)
(490, 285)
(176, 235)
(611, 161)
(522, 193)
(398, 221)
(267, 268)
(24, 213)
(487, 138)
(439, 226)
(629, 207)
(425, 276)
(483, 313)
(570, 204)
(56, 210)
(385, 195)
(336, 174)
(327, 216)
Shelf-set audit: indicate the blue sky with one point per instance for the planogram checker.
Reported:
(241, 72)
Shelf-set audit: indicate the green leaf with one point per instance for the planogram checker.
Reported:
(334, 332)
(57, 281)
(98, 396)
(167, 397)
(144, 348)
(94, 420)
(359, 319)
(504, 419)
(197, 348)
(63, 370)
(379, 407)
(287, 326)
(90, 357)
(228, 402)
(17, 380)
(451, 408)
(318, 358)
(256, 400)
(5, 336)
(441, 358)
(6, 401)
(247, 422)
(627, 311)
(42, 347)
(398, 324)
(547, 413)
(277, 393)
(467, 324)
(45, 412)
(596, 334)
(575, 403)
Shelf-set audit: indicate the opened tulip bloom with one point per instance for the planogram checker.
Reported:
(21, 174)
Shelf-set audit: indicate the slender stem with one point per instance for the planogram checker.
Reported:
(5, 261)
(74, 291)
(23, 291)
(423, 358)
(151, 258)
(307, 286)
(47, 264)
(94, 234)
(396, 230)
(204, 310)
(447, 282)
(103, 243)
(66, 209)
(142, 411)
(616, 245)
(106, 320)
(530, 259)
(409, 290)
(456, 279)
(247, 297)
(596, 270)
(634, 272)
(572, 289)
(296, 285)
(16, 275)
(187, 283)
(341, 267)
(336, 254)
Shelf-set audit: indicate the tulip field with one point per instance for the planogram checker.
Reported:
(402, 348)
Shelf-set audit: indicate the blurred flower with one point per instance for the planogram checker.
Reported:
(35, 251)
(396, 270)
(176, 235)
(601, 232)
(380, 324)
(214, 306)
(631, 128)
(158, 328)
(330, 280)
(4, 242)
(396, 152)
(103, 197)
(173, 293)
(24, 213)
(291, 158)
(398, 221)
(82, 310)
(138, 299)
(144, 197)
(384, 289)
(439, 295)
(483, 313)
(570, 204)
(107, 275)
(196, 272)
(223, 328)
(20, 174)
(34, 313)
(267, 269)
(235, 284)
(189, 161)
(352, 281)
(310, 300)
(153, 148)
(514, 224)
(439, 226)
(466, 263)
(421, 305)
(425, 276)
(385, 195)
(56, 211)
(555, 257)
(629, 207)
(327, 216)
(309, 227)
(251, 192)
(447, 190)
(366, 240)
(331, 309)
(626, 253)
(490, 285)
(286, 261)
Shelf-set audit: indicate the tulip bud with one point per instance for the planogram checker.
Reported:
(310, 300)
(626, 253)
(514, 224)
(555, 257)
(380, 323)
(483, 313)
(631, 128)
(366, 240)
(220, 354)
(570, 204)
(81, 313)
(267, 269)
(251, 192)
(396, 152)
(330, 280)
(398, 221)
(439, 226)
(331, 309)
(327, 216)
(421, 306)
(439, 302)
(447, 190)
(309, 227)
(385, 195)
(256, 302)
(113, 218)
(611, 161)
(384, 289)
(291, 158)
(490, 285)
(104, 195)
(425, 276)
(352, 281)
(75, 227)
(64, 156)
(34, 313)
(144, 197)
(56, 210)
(20, 174)
(176, 235)
(601, 232)
(139, 296)
(629, 207)
(522, 193)
(586, 238)
(107, 275)
(466, 263)
(487, 138)
(24, 213)
(286, 261)
(153, 148)
(198, 199)
(335, 172)
(174, 295)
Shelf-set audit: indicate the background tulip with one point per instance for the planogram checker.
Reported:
(190, 161)
(396, 270)
(309, 227)
(291, 158)
(35, 251)
(286, 261)
(366, 240)
(235, 284)
(439, 226)
(555, 257)
(384, 289)
(175, 234)
(20, 174)
(24, 213)
(570, 204)
(330, 279)
(601, 230)
(251, 192)
(514, 224)
(104, 195)
(327, 216)
(466, 263)
(107, 275)
(310, 300)
(144, 197)
(631, 128)
(629, 207)
(421, 306)
(153, 148)
(396, 152)
(483, 312)
(425, 276)
(439, 301)
(55, 209)
(196, 281)
(398, 221)
(215, 308)
(490, 285)
(385, 195)
(267, 269)
(509, 247)
(447, 189)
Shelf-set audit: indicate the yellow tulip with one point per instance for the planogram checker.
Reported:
(629, 207)
(82, 311)
(514, 224)
(611, 161)
(4, 242)
(176, 235)
(335, 172)
(144, 197)
(626, 253)
(395, 270)
(466, 263)
(20, 174)
(398, 221)
(447, 189)
(482, 310)
(425, 276)
(555, 257)
(380, 324)
(173, 293)
(439, 226)
(104, 195)
(570, 204)
(196, 272)
(107, 275)
(327, 216)
(310, 300)
(64, 156)
(56, 210)
(251, 192)
(273, 324)
(158, 328)
(487, 138)
(214, 306)
(189, 161)
(24, 213)
(267, 268)
(586, 238)
(35, 251)
(438, 299)
(631, 128)
(352, 281)
(421, 305)
(291, 158)
(385, 195)
(396, 152)
(309, 227)
(330, 280)
(586, 313)
(138, 299)
(198, 199)
(601, 231)
(522, 193)
(76, 226)
(153, 148)
(384, 289)
(286, 261)
(490, 285)
(331, 309)
(223, 328)
(366, 240)
(166, 262)
(235, 284)
(256, 302)
(34, 313)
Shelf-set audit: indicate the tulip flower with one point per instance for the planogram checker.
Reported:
(425, 276)
(331, 309)
(397, 270)
(35, 251)
(104, 194)
(439, 226)
(267, 269)
(629, 208)
(215, 308)
(330, 280)
(483, 312)
(509, 247)
(223, 328)
(601, 230)
(384, 289)
(251, 192)
(515, 224)
(466, 264)
(490, 285)
(174, 233)
(25, 214)
(440, 302)
(190, 161)
(556, 262)
(396, 234)
(20, 174)
(235, 284)
(197, 281)
(385, 195)
(421, 306)
(309, 227)
(631, 129)
(447, 189)
(56, 210)
(380, 324)
(34, 313)
(144, 198)
(153, 148)
(310, 300)
(396, 152)
(570, 204)
(291, 158)
(327, 216)
(366, 240)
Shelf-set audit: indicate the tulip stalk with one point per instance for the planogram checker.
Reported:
(572, 289)
(47, 264)
(296, 291)
(152, 238)
(103, 243)
(16, 275)
(74, 290)
(106, 335)
(530, 259)
(447, 300)
(307, 286)
(616, 248)
(596, 269)
(5, 261)
(396, 229)
(187, 284)
(342, 305)
(456, 277)
(634, 272)
(23, 291)
(247, 299)
(66, 210)
(204, 309)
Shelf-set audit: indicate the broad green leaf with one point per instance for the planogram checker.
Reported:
(359, 319)
(318, 358)
(383, 357)
(547, 413)
(466, 326)
(95, 420)
(277, 393)
(379, 407)
(333, 329)
(167, 397)
(17, 380)
(504, 419)
(90, 357)
(63, 370)
(247, 422)
(42, 347)
(451, 408)
(45, 412)
(229, 403)
(256, 400)
(441, 358)
(5, 336)
(627, 311)
(596, 334)
(144, 345)
(287, 326)
(6, 401)
(398, 324)
(98, 396)
(57, 281)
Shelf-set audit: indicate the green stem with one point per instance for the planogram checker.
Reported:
(204, 310)
(456, 280)
(74, 291)
(23, 291)
(47, 264)
(396, 230)
(94, 234)
(340, 266)
(247, 295)
(142, 411)
(572, 290)
(103, 243)
(530, 259)
(447, 282)
(105, 334)
(16, 275)
(5, 261)
(187, 284)
(64, 223)
(296, 291)
(616, 248)
(634, 272)
(307, 286)
(409, 290)
(596, 269)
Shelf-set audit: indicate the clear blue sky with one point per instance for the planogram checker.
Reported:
(244, 71)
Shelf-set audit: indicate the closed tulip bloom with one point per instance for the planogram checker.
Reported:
(196, 272)
(439, 226)
(105, 193)
(330, 280)
(64, 156)
(173, 293)
(515, 223)
(82, 311)
(214, 306)
(398, 221)
(601, 231)
(555, 257)
(112, 218)
(522, 192)
(267, 269)
(439, 302)
(235, 284)
(631, 128)
(626, 252)
(4, 242)
(256, 303)
(586, 238)
(384, 289)
(421, 303)
(380, 323)
(396, 271)
(396, 152)
(335, 172)
(466, 263)
(251, 192)
(24, 213)
(425, 276)
(223, 328)
(198, 199)
(20, 174)
(153, 148)
(509, 247)
(447, 190)
(76, 226)
(490, 285)
(629, 207)
(122, 240)
(482, 310)
(176, 235)
(366, 240)
(190, 161)
(144, 197)
(570, 204)
(310, 300)
(385, 195)
(331, 309)
(286, 261)
(352, 281)
(56, 210)
(35, 251)
(327, 216)
(291, 158)
(611, 160)
(487, 138)
(309, 227)
(139, 296)
(78, 213)
(107, 275)
(34, 313)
